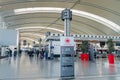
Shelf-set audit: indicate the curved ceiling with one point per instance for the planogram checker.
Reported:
(95, 17)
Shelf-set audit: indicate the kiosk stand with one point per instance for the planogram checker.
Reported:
(67, 47)
(67, 57)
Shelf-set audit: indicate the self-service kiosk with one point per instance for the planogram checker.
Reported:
(67, 57)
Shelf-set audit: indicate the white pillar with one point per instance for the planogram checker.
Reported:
(18, 41)
(67, 27)
(2, 23)
(3, 51)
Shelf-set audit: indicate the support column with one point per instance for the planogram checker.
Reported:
(67, 27)
(2, 23)
(18, 42)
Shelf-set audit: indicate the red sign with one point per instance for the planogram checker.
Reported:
(77, 40)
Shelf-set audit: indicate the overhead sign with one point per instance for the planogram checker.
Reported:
(52, 47)
(67, 41)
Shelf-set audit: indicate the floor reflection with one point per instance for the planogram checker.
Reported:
(25, 67)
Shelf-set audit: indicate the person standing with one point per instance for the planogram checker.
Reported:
(10, 51)
(42, 53)
(37, 53)
(15, 52)
(46, 52)
(91, 52)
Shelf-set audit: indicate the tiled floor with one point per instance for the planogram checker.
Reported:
(33, 68)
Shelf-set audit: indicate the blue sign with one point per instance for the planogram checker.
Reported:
(51, 47)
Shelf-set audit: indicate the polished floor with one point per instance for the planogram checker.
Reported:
(33, 68)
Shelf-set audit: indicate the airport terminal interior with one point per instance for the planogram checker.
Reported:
(59, 39)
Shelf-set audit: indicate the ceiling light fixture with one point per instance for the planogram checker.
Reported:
(33, 34)
(37, 27)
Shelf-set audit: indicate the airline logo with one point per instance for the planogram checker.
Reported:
(67, 40)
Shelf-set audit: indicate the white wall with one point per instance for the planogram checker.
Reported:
(8, 37)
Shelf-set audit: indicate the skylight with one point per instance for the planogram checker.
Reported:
(91, 16)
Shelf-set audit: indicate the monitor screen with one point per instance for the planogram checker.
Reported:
(102, 44)
(117, 43)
